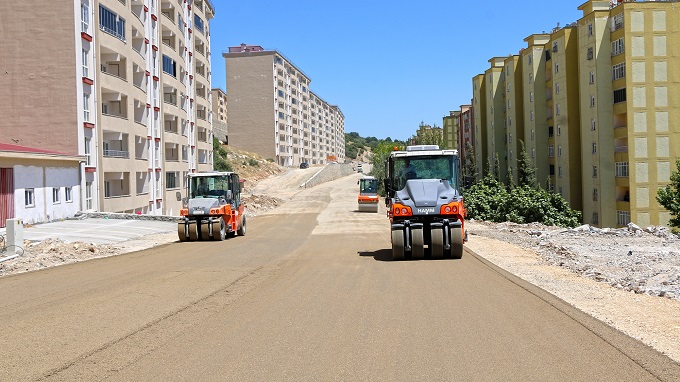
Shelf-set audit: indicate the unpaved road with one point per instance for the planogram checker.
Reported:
(306, 295)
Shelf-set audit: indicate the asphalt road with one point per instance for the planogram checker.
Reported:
(306, 295)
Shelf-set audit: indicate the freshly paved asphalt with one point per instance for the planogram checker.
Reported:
(309, 294)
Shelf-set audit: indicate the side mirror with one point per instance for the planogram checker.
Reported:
(228, 195)
(178, 194)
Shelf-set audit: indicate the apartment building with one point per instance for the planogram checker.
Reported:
(219, 122)
(274, 113)
(450, 130)
(480, 135)
(563, 114)
(632, 60)
(513, 99)
(496, 147)
(534, 104)
(122, 83)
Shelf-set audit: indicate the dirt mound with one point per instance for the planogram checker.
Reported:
(251, 167)
(257, 204)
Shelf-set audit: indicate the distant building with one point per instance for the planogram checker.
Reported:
(220, 124)
(273, 112)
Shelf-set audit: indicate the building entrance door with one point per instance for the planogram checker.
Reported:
(6, 195)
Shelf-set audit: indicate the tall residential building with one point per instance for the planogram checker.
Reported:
(219, 102)
(450, 130)
(496, 148)
(125, 85)
(513, 99)
(534, 104)
(479, 122)
(564, 132)
(273, 112)
(633, 60)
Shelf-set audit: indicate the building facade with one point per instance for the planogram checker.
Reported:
(599, 97)
(126, 87)
(273, 112)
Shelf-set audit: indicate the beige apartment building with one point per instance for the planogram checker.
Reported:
(124, 83)
(534, 104)
(219, 122)
(599, 98)
(630, 60)
(273, 112)
(450, 130)
(481, 133)
(513, 100)
(496, 147)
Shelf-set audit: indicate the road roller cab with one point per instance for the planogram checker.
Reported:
(213, 208)
(368, 198)
(424, 203)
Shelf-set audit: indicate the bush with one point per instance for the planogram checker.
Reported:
(489, 200)
(253, 162)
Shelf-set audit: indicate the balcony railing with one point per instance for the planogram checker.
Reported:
(116, 154)
(621, 149)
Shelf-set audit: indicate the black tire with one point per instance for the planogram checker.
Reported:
(417, 244)
(205, 231)
(437, 242)
(219, 230)
(242, 228)
(182, 231)
(398, 245)
(193, 233)
(457, 242)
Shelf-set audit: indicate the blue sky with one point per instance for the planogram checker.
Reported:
(388, 65)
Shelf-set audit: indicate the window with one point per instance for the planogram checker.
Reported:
(596, 218)
(592, 101)
(533, 153)
(68, 196)
(88, 196)
(622, 218)
(559, 130)
(592, 124)
(88, 154)
(198, 23)
(111, 23)
(617, 22)
(86, 107)
(557, 67)
(617, 47)
(620, 95)
(55, 195)
(594, 148)
(559, 151)
(551, 151)
(559, 175)
(555, 46)
(590, 54)
(84, 18)
(280, 93)
(281, 115)
(531, 78)
(86, 66)
(531, 115)
(618, 71)
(171, 180)
(169, 66)
(622, 169)
(592, 78)
(530, 57)
(533, 134)
(590, 29)
(557, 88)
(594, 194)
(557, 109)
(594, 171)
(531, 96)
(29, 197)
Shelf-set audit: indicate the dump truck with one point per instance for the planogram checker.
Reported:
(425, 206)
(368, 198)
(213, 209)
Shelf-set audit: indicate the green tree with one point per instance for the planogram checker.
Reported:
(220, 162)
(378, 158)
(496, 168)
(470, 166)
(526, 173)
(669, 196)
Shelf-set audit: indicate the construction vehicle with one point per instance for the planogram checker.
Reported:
(425, 206)
(368, 198)
(213, 209)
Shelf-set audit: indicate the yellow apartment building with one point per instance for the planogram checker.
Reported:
(514, 111)
(534, 104)
(479, 119)
(451, 130)
(495, 117)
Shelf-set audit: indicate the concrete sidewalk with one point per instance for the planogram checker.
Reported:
(97, 230)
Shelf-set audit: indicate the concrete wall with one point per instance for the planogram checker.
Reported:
(328, 173)
(42, 180)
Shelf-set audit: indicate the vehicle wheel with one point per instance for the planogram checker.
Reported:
(205, 231)
(182, 231)
(193, 233)
(457, 242)
(397, 245)
(242, 228)
(219, 230)
(417, 244)
(437, 242)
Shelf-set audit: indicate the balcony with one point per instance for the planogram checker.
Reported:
(172, 152)
(116, 184)
(141, 112)
(141, 148)
(113, 103)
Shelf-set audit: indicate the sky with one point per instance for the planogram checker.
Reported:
(388, 65)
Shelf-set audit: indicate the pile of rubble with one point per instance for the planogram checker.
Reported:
(256, 204)
(641, 260)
